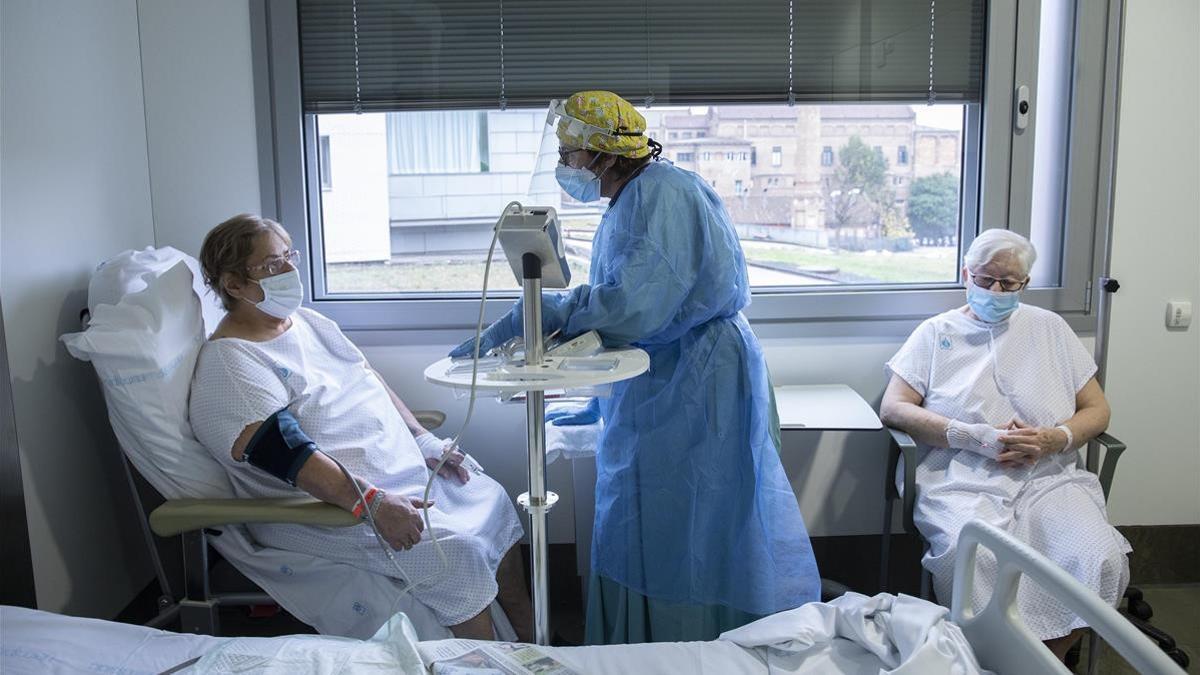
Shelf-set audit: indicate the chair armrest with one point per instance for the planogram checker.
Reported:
(1112, 453)
(430, 419)
(185, 515)
(904, 444)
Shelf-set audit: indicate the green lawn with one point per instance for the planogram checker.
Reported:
(920, 265)
(445, 275)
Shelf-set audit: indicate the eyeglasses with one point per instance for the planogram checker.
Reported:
(564, 154)
(276, 264)
(1009, 285)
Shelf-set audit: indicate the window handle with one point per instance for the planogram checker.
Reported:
(1022, 107)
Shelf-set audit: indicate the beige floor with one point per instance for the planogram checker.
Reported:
(1176, 611)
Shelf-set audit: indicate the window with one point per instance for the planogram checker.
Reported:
(430, 211)
(437, 141)
(729, 156)
(326, 170)
(686, 134)
(685, 157)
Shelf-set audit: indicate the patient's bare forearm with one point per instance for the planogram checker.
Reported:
(923, 425)
(323, 479)
(1091, 416)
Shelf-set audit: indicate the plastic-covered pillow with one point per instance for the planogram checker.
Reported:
(148, 322)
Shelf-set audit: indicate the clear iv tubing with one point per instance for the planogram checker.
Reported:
(449, 448)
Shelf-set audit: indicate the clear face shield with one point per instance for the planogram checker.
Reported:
(543, 185)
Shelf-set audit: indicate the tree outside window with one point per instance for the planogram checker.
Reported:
(933, 208)
(859, 199)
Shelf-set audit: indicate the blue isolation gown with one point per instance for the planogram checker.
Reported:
(693, 510)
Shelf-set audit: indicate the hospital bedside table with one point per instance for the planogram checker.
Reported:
(824, 407)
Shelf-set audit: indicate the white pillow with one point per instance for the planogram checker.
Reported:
(132, 271)
(147, 326)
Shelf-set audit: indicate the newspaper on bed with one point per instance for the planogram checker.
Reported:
(450, 657)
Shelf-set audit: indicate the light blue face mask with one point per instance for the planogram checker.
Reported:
(992, 306)
(581, 184)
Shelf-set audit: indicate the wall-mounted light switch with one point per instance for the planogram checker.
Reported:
(1179, 314)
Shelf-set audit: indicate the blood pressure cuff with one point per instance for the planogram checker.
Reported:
(280, 447)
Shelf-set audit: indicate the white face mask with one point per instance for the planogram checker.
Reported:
(282, 294)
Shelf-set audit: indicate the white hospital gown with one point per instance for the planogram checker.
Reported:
(323, 379)
(1029, 367)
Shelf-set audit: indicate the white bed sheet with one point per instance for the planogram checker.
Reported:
(33, 642)
(41, 642)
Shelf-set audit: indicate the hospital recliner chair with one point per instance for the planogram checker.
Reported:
(188, 523)
(149, 316)
(1137, 611)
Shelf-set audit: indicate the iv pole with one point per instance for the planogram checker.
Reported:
(537, 501)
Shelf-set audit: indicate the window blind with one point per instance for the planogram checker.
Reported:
(381, 55)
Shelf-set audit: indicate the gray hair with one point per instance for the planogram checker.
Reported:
(991, 243)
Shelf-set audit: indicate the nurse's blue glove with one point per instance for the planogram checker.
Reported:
(505, 329)
(589, 414)
(556, 310)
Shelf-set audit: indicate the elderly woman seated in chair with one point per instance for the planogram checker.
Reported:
(1001, 395)
(279, 394)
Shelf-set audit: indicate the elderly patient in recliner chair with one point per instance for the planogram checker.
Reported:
(290, 406)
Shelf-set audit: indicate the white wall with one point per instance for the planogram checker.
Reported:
(200, 129)
(124, 124)
(75, 184)
(1154, 373)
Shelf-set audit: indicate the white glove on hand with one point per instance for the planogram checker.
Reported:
(432, 447)
(981, 439)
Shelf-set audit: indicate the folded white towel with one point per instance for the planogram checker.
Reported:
(572, 441)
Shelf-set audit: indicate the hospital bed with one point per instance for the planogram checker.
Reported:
(148, 315)
(838, 637)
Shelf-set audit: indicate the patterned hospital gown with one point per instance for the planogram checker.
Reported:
(1029, 367)
(317, 373)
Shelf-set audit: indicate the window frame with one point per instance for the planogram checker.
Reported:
(996, 175)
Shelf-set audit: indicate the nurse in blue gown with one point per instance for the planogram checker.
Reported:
(697, 530)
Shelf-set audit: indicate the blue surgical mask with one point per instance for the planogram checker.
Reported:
(581, 184)
(992, 306)
(282, 294)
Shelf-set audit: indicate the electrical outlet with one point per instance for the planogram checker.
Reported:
(1179, 314)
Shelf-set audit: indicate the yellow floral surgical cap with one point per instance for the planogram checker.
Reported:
(625, 126)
